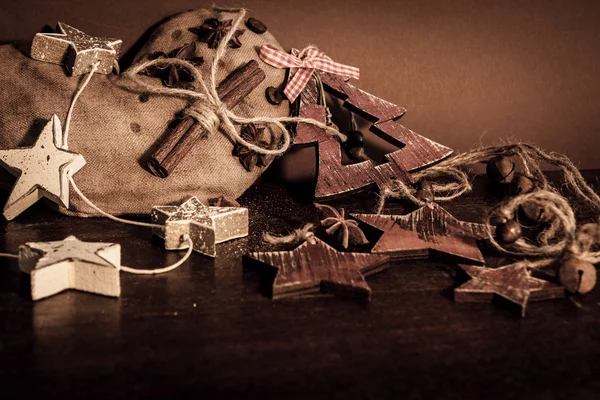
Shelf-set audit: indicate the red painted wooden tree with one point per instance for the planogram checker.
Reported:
(335, 179)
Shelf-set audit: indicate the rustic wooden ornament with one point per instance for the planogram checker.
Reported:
(335, 179)
(71, 264)
(187, 133)
(429, 232)
(42, 170)
(76, 50)
(206, 226)
(512, 282)
(315, 267)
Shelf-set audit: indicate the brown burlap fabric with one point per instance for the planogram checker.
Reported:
(114, 127)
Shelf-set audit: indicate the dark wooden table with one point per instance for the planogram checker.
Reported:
(207, 330)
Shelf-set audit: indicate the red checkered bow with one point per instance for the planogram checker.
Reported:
(303, 64)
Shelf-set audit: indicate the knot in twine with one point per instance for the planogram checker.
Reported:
(208, 109)
(299, 235)
(302, 64)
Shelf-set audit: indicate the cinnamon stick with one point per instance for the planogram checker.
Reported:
(184, 136)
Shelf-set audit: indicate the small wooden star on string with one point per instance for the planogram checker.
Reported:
(249, 158)
(315, 267)
(512, 282)
(427, 232)
(206, 226)
(347, 230)
(171, 75)
(76, 50)
(214, 30)
(42, 170)
(71, 264)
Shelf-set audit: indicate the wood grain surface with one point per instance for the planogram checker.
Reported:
(207, 330)
(335, 179)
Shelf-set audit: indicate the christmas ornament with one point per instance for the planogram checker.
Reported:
(427, 232)
(206, 226)
(335, 221)
(335, 179)
(577, 276)
(500, 169)
(509, 232)
(76, 50)
(315, 267)
(512, 282)
(71, 264)
(42, 170)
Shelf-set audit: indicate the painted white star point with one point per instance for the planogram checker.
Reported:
(42, 170)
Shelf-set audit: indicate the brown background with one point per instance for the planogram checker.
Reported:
(469, 72)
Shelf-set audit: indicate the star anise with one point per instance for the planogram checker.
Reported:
(347, 230)
(175, 76)
(214, 30)
(249, 158)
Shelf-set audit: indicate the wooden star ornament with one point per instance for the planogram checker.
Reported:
(315, 267)
(512, 282)
(76, 50)
(42, 170)
(206, 226)
(429, 232)
(71, 264)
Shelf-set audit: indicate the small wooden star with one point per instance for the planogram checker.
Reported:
(512, 282)
(429, 232)
(42, 170)
(71, 264)
(316, 267)
(206, 226)
(76, 50)
(213, 31)
(347, 230)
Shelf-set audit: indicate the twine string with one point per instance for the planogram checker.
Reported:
(208, 109)
(452, 169)
(297, 236)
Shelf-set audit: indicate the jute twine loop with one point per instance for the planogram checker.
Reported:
(453, 169)
(297, 236)
(208, 109)
(561, 240)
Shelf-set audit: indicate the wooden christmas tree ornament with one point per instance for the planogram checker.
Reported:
(429, 232)
(512, 282)
(315, 267)
(206, 226)
(42, 170)
(76, 50)
(71, 264)
(335, 179)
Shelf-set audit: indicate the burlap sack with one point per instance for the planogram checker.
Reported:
(114, 128)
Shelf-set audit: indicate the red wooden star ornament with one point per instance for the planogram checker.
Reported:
(315, 267)
(429, 232)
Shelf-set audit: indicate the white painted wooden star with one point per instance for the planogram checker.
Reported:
(76, 50)
(42, 170)
(206, 226)
(71, 264)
